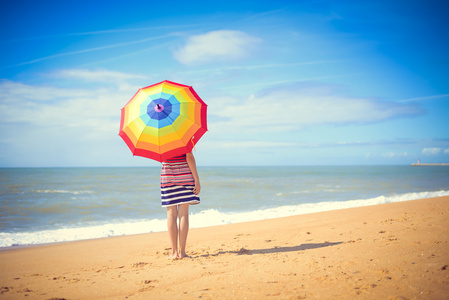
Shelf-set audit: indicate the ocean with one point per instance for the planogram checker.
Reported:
(48, 205)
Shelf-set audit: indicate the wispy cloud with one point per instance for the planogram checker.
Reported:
(259, 16)
(100, 32)
(10, 91)
(93, 108)
(257, 67)
(90, 50)
(394, 154)
(236, 144)
(431, 151)
(290, 81)
(126, 55)
(95, 75)
(435, 151)
(424, 98)
(291, 108)
(220, 45)
(42, 107)
(58, 125)
(102, 78)
(263, 144)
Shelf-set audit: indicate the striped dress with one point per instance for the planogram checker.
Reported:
(177, 182)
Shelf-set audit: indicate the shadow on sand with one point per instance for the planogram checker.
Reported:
(301, 247)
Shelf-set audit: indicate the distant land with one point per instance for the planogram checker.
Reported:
(431, 164)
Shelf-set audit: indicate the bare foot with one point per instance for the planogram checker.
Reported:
(183, 255)
(173, 256)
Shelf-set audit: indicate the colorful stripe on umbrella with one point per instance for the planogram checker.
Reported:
(163, 120)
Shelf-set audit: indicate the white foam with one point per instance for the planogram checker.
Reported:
(81, 233)
(213, 217)
(63, 192)
(204, 218)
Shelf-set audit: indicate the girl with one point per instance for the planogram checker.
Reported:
(180, 186)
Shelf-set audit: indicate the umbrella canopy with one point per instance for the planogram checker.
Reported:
(163, 120)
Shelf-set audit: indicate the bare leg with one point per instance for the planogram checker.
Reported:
(172, 216)
(183, 214)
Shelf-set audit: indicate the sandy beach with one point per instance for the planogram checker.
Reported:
(389, 251)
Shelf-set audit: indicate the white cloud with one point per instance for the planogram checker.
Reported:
(394, 154)
(296, 107)
(93, 110)
(118, 80)
(431, 151)
(51, 125)
(12, 92)
(221, 45)
(446, 151)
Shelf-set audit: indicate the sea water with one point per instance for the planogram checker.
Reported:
(46, 205)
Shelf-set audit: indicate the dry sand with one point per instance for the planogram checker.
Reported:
(389, 251)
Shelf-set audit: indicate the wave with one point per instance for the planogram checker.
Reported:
(62, 192)
(206, 218)
(213, 217)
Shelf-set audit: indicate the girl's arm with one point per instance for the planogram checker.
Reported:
(192, 165)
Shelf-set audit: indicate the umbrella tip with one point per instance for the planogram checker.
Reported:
(159, 107)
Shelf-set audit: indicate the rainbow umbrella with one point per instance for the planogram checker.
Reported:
(163, 120)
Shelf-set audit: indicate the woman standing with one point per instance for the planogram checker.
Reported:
(180, 186)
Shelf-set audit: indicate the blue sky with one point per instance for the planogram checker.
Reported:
(287, 82)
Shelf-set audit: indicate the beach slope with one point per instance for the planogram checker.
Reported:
(388, 251)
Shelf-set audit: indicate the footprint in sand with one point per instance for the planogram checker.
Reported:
(147, 286)
(364, 288)
(58, 278)
(5, 289)
(150, 281)
(139, 264)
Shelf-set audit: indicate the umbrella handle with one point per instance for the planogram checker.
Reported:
(193, 143)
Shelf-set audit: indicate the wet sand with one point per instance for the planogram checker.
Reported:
(388, 251)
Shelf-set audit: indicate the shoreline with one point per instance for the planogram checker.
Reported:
(198, 220)
(387, 251)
